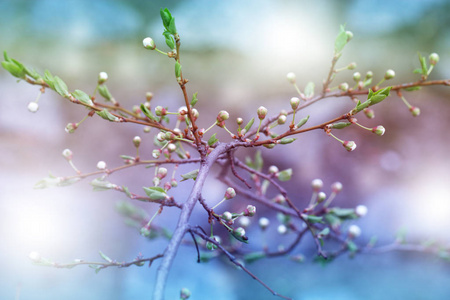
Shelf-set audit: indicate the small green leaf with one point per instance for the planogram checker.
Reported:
(48, 78)
(96, 268)
(13, 69)
(166, 16)
(194, 99)
(285, 175)
(127, 191)
(170, 42)
(177, 70)
(314, 219)
(302, 122)
(324, 232)
(82, 97)
(148, 113)
(172, 28)
(60, 86)
(212, 140)
(286, 140)
(103, 255)
(259, 162)
(105, 114)
(155, 193)
(379, 95)
(341, 40)
(413, 88)
(423, 64)
(254, 256)
(309, 89)
(32, 73)
(351, 246)
(100, 184)
(249, 125)
(190, 175)
(104, 92)
(340, 125)
(344, 213)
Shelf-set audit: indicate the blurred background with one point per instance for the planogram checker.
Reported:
(236, 54)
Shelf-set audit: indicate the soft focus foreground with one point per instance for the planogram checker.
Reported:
(401, 177)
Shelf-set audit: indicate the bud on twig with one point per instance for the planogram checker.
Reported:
(33, 107)
(149, 43)
(389, 74)
(291, 77)
(262, 112)
(102, 77)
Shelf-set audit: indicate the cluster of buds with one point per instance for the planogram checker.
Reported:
(222, 117)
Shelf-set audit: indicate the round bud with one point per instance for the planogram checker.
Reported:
(281, 119)
(244, 221)
(160, 111)
(173, 182)
(162, 172)
(343, 86)
(102, 77)
(239, 121)
(321, 196)
(280, 199)
(171, 147)
(369, 113)
(250, 211)
(291, 77)
(356, 76)
(33, 107)
(351, 66)
(145, 231)
(336, 187)
(415, 111)
(361, 210)
(149, 43)
(146, 129)
(227, 216)
(295, 102)
(195, 114)
(349, 145)
(282, 229)
(354, 231)
(262, 112)
(222, 116)
(273, 170)
(230, 193)
(156, 153)
(240, 232)
(148, 96)
(349, 35)
(389, 74)
(137, 141)
(317, 184)
(379, 130)
(434, 58)
(263, 223)
(68, 154)
(161, 136)
(71, 127)
(185, 293)
(369, 75)
(101, 165)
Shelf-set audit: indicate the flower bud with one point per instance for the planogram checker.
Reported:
(173, 182)
(354, 231)
(269, 146)
(282, 229)
(161, 136)
(369, 113)
(137, 141)
(101, 165)
(250, 211)
(227, 216)
(317, 184)
(280, 199)
(343, 86)
(149, 43)
(230, 193)
(361, 210)
(162, 172)
(148, 96)
(33, 107)
(321, 196)
(434, 58)
(369, 75)
(240, 232)
(389, 74)
(356, 76)
(71, 127)
(195, 114)
(185, 293)
(273, 170)
(102, 77)
(145, 231)
(415, 111)
(263, 223)
(171, 147)
(262, 112)
(281, 119)
(67, 153)
(379, 130)
(244, 221)
(291, 77)
(349, 35)
(222, 116)
(295, 102)
(156, 153)
(351, 66)
(349, 145)
(239, 121)
(336, 187)
(160, 111)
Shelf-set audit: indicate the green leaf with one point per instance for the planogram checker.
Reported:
(104, 92)
(100, 184)
(148, 113)
(333, 220)
(309, 89)
(417, 71)
(60, 86)
(286, 140)
(285, 175)
(177, 70)
(53, 181)
(344, 213)
(170, 42)
(302, 122)
(259, 162)
(423, 64)
(127, 191)
(352, 246)
(103, 255)
(6, 57)
(367, 82)
(379, 95)
(172, 28)
(249, 125)
(166, 16)
(324, 232)
(212, 140)
(32, 73)
(314, 219)
(105, 114)
(82, 97)
(13, 69)
(340, 125)
(341, 40)
(194, 99)
(251, 257)
(48, 78)
(190, 175)
(413, 88)
(155, 193)
(239, 238)
(96, 268)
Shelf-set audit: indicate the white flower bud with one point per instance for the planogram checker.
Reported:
(149, 43)
(282, 229)
(349, 145)
(33, 107)
(227, 216)
(102, 77)
(137, 141)
(262, 112)
(244, 221)
(389, 74)
(434, 58)
(379, 130)
(101, 165)
(230, 193)
(291, 77)
(263, 223)
(361, 210)
(317, 184)
(336, 187)
(295, 101)
(67, 153)
(240, 232)
(354, 231)
(321, 196)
